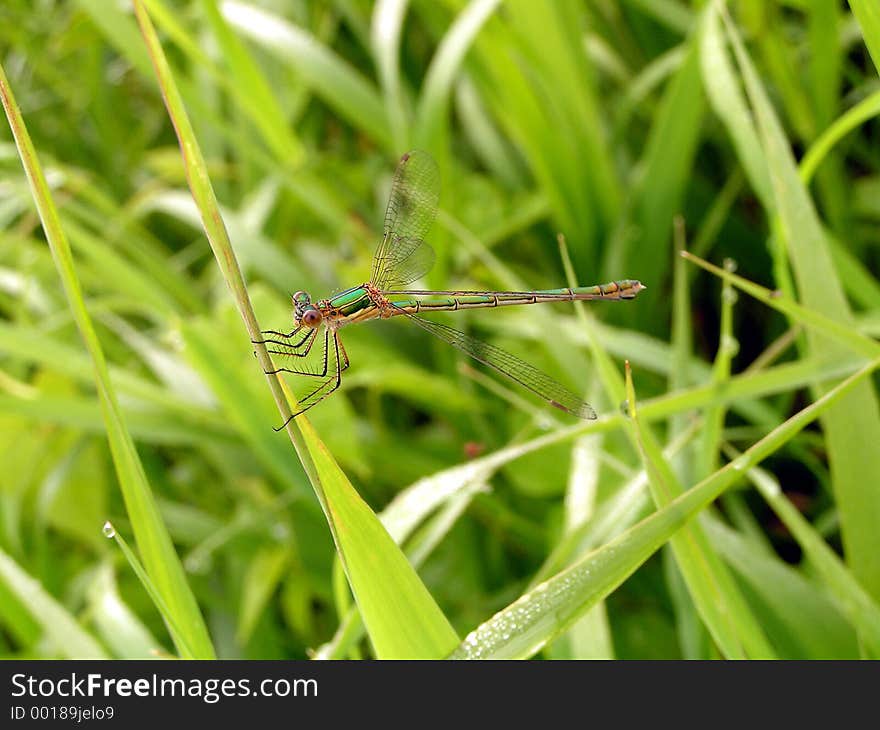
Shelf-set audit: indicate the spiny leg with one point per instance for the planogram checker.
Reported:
(341, 366)
(303, 372)
(309, 340)
(285, 335)
(309, 333)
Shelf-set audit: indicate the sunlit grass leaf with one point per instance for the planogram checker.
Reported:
(853, 426)
(153, 540)
(59, 627)
(868, 14)
(401, 618)
(547, 610)
(117, 624)
(334, 80)
(715, 594)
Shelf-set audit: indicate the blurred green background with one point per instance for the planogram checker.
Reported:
(624, 126)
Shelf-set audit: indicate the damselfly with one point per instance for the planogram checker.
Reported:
(402, 258)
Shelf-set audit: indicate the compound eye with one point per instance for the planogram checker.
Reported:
(301, 297)
(312, 318)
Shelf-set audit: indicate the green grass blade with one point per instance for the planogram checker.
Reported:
(152, 538)
(815, 320)
(667, 163)
(115, 621)
(715, 594)
(401, 618)
(385, 31)
(852, 428)
(860, 113)
(853, 600)
(399, 613)
(868, 14)
(59, 627)
(247, 77)
(433, 110)
(335, 81)
(789, 605)
(726, 97)
(546, 611)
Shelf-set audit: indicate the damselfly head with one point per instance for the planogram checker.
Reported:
(304, 312)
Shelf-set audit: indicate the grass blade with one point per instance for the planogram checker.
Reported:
(867, 12)
(713, 590)
(20, 590)
(546, 611)
(152, 538)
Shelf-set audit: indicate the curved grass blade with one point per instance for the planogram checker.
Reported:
(156, 547)
(539, 616)
(867, 12)
(716, 596)
(432, 113)
(853, 600)
(852, 428)
(18, 590)
(334, 80)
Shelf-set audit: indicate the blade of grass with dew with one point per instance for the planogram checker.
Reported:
(153, 540)
(813, 319)
(148, 585)
(710, 444)
(398, 611)
(867, 12)
(852, 428)
(715, 594)
(58, 626)
(546, 611)
(854, 601)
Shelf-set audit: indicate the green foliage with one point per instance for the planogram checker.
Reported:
(208, 158)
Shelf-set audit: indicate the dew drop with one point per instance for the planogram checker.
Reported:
(108, 529)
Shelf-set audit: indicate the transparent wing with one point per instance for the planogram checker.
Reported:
(403, 256)
(526, 375)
